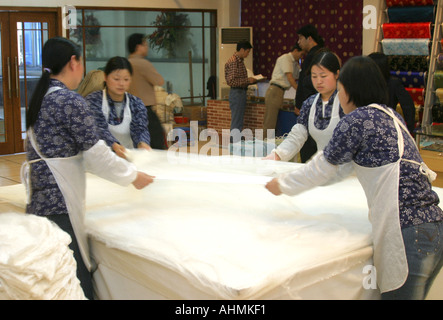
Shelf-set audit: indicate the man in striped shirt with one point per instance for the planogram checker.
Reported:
(237, 78)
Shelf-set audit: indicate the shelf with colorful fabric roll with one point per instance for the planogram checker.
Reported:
(412, 70)
(409, 38)
(433, 109)
(404, 36)
(429, 136)
(409, 33)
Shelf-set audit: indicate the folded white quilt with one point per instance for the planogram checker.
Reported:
(35, 260)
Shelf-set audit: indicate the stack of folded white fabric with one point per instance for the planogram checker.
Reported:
(35, 260)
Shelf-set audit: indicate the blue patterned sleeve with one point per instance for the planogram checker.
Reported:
(94, 101)
(367, 136)
(139, 123)
(345, 141)
(76, 118)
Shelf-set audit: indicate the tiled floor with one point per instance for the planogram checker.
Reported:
(10, 168)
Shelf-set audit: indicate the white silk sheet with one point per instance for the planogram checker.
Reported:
(208, 229)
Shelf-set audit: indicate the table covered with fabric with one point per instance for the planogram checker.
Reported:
(208, 229)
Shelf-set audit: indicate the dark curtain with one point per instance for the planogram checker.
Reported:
(275, 25)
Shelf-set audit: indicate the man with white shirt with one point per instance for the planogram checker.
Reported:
(284, 76)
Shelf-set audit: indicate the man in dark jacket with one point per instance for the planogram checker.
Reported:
(310, 41)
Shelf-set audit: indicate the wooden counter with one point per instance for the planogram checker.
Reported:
(434, 160)
(219, 115)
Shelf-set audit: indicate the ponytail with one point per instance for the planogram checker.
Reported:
(56, 53)
(37, 98)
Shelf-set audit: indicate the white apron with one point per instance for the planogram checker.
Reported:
(69, 173)
(381, 186)
(322, 137)
(122, 131)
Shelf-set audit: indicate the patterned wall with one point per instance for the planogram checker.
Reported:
(276, 23)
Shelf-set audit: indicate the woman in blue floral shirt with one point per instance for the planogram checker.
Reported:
(407, 222)
(62, 141)
(121, 117)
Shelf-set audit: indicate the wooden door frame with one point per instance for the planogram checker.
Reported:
(56, 10)
(9, 65)
(7, 90)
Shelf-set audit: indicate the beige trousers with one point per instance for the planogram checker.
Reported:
(273, 102)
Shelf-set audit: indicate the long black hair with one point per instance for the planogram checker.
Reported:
(56, 53)
(117, 63)
(363, 81)
(383, 63)
(326, 59)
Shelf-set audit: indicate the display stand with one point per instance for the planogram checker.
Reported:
(429, 136)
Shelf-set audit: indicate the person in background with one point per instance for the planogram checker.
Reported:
(407, 222)
(145, 77)
(320, 113)
(310, 42)
(284, 76)
(121, 117)
(62, 141)
(237, 78)
(396, 90)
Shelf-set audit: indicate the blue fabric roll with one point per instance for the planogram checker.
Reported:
(411, 79)
(411, 14)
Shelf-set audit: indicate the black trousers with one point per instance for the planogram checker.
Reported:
(308, 149)
(158, 137)
(83, 274)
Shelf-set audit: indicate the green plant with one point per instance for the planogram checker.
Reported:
(92, 34)
(171, 31)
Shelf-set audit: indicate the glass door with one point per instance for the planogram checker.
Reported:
(22, 37)
(6, 122)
